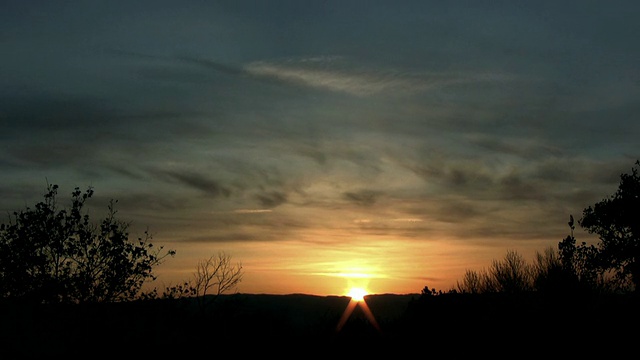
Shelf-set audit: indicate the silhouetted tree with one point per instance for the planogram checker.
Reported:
(51, 255)
(616, 220)
(215, 276)
(429, 292)
(579, 270)
(472, 282)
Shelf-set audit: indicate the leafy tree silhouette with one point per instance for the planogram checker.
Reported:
(52, 255)
(616, 220)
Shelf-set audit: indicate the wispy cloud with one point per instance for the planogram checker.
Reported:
(408, 220)
(362, 198)
(337, 75)
(194, 180)
(252, 211)
(272, 199)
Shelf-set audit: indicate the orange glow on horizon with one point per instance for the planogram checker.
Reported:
(287, 267)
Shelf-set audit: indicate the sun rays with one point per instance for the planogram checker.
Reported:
(357, 298)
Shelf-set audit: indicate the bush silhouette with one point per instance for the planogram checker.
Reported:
(511, 275)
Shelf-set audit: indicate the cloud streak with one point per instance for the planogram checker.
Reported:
(337, 75)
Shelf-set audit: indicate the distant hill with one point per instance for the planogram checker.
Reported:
(302, 325)
(172, 326)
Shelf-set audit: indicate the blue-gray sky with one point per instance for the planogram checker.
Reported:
(402, 142)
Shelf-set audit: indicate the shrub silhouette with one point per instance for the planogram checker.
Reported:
(611, 265)
(511, 275)
(570, 269)
(51, 255)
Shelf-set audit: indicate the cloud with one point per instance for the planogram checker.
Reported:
(271, 199)
(407, 220)
(196, 181)
(252, 211)
(361, 198)
(337, 75)
(214, 65)
(516, 146)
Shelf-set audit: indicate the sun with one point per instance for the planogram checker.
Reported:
(357, 293)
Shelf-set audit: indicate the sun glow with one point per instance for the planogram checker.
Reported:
(357, 293)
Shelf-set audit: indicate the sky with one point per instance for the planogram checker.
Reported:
(390, 145)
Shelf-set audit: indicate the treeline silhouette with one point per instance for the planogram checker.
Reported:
(71, 287)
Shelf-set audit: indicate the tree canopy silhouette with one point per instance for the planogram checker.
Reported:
(616, 220)
(52, 255)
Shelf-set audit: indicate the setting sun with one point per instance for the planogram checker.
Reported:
(357, 294)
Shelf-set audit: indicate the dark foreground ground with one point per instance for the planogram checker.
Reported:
(306, 326)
